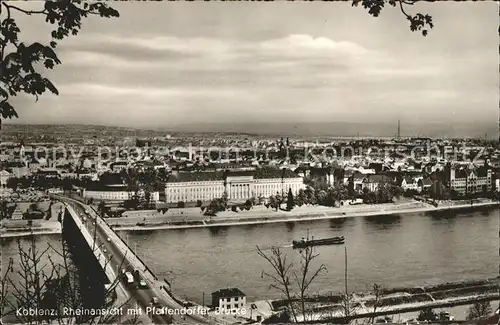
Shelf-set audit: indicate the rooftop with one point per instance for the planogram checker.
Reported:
(195, 177)
(261, 173)
(96, 186)
(228, 293)
(264, 173)
(378, 179)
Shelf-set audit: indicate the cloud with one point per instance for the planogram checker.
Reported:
(312, 45)
(152, 49)
(398, 72)
(89, 58)
(193, 69)
(200, 46)
(297, 76)
(198, 64)
(211, 62)
(141, 93)
(168, 49)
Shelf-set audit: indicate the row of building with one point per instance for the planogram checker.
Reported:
(240, 186)
(245, 183)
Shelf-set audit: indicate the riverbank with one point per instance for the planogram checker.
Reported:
(193, 218)
(406, 308)
(400, 300)
(21, 228)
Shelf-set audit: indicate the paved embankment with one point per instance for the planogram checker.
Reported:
(193, 218)
(22, 228)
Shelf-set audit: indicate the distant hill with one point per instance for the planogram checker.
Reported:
(331, 129)
(71, 131)
(350, 129)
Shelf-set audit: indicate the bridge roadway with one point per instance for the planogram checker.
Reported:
(124, 299)
(123, 258)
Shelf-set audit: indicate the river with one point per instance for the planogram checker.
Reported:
(406, 250)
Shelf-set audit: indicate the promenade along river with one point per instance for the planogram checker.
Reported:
(406, 250)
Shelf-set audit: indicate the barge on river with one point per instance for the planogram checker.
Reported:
(303, 243)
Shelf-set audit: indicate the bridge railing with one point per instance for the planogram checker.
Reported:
(204, 318)
(163, 287)
(99, 255)
(126, 244)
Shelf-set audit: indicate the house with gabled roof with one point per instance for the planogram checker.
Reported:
(372, 182)
(358, 178)
(424, 184)
(409, 183)
(231, 299)
(17, 214)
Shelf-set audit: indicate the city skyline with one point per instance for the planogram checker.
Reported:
(196, 64)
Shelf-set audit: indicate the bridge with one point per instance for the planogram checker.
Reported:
(114, 257)
(113, 287)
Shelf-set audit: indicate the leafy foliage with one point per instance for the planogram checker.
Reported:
(418, 22)
(274, 202)
(479, 309)
(4, 210)
(216, 205)
(20, 63)
(290, 204)
(301, 198)
(249, 204)
(427, 315)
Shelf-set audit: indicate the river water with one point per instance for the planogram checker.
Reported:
(407, 250)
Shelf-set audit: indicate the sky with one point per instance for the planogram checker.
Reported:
(174, 63)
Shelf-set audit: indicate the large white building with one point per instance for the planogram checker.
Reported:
(116, 193)
(237, 185)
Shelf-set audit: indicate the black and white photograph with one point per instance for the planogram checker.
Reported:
(249, 162)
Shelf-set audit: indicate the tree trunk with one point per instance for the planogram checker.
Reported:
(303, 305)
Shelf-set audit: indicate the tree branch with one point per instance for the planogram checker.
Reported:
(282, 268)
(402, 8)
(27, 12)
